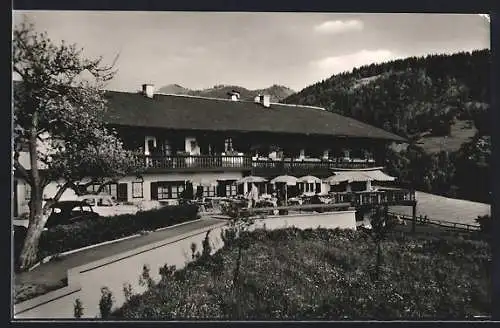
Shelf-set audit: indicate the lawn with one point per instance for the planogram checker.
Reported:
(291, 274)
(461, 132)
(445, 209)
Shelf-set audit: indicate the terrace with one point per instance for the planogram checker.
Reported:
(332, 201)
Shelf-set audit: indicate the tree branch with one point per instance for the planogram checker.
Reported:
(101, 187)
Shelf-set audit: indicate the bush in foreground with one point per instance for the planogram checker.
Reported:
(93, 231)
(291, 274)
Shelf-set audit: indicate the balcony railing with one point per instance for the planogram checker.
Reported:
(197, 161)
(364, 198)
(384, 196)
(306, 166)
(258, 166)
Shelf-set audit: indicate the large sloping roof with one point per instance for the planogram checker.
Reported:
(196, 113)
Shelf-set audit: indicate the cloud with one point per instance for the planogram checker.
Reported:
(337, 64)
(338, 26)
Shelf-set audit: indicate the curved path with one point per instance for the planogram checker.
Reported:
(53, 275)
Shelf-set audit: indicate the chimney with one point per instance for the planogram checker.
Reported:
(264, 100)
(235, 95)
(148, 90)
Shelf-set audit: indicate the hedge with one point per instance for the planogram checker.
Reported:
(63, 238)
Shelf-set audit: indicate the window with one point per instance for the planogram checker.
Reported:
(170, 190)
(163, 192)
(86, 208)
(231, 190)
(209, 191)
(109, 189)
(77, 210)
(90, 201)
(228, 144)
(309, 187)
(177, 191)
(93, 188)
(137, 191)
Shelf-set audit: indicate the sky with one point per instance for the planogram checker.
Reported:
(254, 50)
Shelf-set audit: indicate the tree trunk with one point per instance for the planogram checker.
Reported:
(37, 218)
(29, 254)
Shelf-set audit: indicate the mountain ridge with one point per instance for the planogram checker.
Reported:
(277, 92)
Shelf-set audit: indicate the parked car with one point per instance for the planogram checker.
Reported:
(106, 205)
(63, 212)
(67, 212)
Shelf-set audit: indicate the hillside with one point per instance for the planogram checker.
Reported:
(440, 102)
(277, 92)
(412, 97)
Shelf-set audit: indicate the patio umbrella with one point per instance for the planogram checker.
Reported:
(309, 179)
(288, 180)
(203, 182)
(251, 179)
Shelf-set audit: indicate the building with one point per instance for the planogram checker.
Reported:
(211, 143)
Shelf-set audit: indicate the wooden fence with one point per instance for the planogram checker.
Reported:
(440, 223)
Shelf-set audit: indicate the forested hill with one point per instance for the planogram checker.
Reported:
(410, 96)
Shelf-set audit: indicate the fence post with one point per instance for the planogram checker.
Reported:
(414, 218)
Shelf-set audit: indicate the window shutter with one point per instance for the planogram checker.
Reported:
(318, 187)
(154, 190)
(221, 189)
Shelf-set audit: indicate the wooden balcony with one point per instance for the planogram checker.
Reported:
(197, 163)
(259, 167)
(312, 166)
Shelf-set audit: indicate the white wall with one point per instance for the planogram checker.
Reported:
(43, 147)
(86, 281)
(50, 191)
(69, 194)
(148, 178)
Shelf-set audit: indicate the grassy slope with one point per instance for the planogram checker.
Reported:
(321, 274)
(461, 132)
(445, 209)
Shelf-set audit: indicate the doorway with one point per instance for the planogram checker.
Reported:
(122, 192)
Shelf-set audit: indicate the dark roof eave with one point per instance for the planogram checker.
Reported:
(394, 137)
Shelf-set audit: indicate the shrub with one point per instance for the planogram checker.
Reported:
(106, 302)
(78, 308)
(289, 274)
(63, 238)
